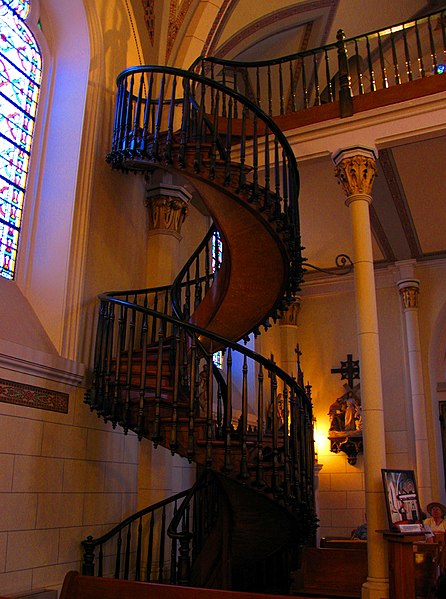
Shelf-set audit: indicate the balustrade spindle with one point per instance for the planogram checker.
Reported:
(243, 423)
(292, 87)
(359, 69)
(228, 415)
(304, 85)
(100, 562)
(146, 118)
(207, 267)
(119, 116)
(192, 380)
(128, 383)
(255, 185)
(212, 89)
(109, 361)
(213, 150)
(173, 553)
(150, 549)
(396, 70)
(170, 122)
(317, 99)
(159, 117)
(228, 145)
(432, 45)
(142, 389)
(442, 23)
(136, 133)
(275, 426)
(242, 177)
(223, 108)
(138, 551)
(198, 291)
(407, 55)
(267, 190)
(282, 111)
(127, 552)
(209, 399)
(118, 556)
(276, 178)
(128, 116)
(286, 447)
(269, 91)
(236, 90)
(185, 124)
(258, 99)
(154, 319)
(259, 482)
(156, 436)
(177, 351)
(162, 546)
(370, 65)
(385, 82)
(419, 51)
(328, 77)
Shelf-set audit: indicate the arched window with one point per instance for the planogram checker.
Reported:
(20, 76)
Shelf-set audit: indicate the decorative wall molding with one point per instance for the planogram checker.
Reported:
(20, 394)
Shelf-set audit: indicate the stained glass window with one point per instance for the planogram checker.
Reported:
(20, 77)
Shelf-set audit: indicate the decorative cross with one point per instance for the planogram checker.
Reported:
(300, 375)
(349, 370)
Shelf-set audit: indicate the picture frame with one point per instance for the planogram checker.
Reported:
(402, 503)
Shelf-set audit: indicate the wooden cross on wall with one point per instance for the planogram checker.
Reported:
(349, 370)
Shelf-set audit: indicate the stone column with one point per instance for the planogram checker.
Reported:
(288, 336)
(167, 206)
(409, 289)
(160, 474)
(356, 170)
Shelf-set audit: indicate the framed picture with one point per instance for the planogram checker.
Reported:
(403, 507)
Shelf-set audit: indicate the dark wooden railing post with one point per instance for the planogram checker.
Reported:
(345, 91)
(184, 561)
(88, 561)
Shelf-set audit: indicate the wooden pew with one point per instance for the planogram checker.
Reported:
(76, 586)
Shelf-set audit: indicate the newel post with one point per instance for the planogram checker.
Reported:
(345, 87)
(184, 560)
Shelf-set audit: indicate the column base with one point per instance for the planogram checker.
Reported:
(375, 588)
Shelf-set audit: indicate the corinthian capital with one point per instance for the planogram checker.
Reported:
(409, 291)
(168, 208)
(355, 169)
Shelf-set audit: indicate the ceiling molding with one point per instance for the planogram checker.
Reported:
(380, 236)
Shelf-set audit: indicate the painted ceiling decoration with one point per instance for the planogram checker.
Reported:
(265, 23)
(177, 13)
(149, 18)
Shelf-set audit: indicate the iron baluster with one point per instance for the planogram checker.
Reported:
(136, 131)
(142, 389)
(267, 190)
(223, 108)
(159, 116)
(127, 552)
(176, 388)
(192, 378)
(209, 398)
(345, 86)
(213, 148)
(228, 146)
(395, 60)
(128, 116)
(258, 100)
(242, 177)
(236, 90)
(292, 87)
(317, 100)
(419, 51)
(370, 65)
(146, 121)
(185, 123)
(433, 49)
(328, 77)
(407, 55)
(162, 546)
(120, 105)
(385, 82)
(359, 69)
(150, 549)
(243, 424)
(156, 436)
(259, 482)
(118, 556)
(228, 414)
(170, 121)
(304, 85)
(270, 99)
(282, 111)
(138, 551)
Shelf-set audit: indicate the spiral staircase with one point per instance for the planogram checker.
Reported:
(248, 427)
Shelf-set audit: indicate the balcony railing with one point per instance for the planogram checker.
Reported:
(379, 59)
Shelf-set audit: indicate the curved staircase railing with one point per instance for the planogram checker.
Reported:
(177, 120)
(410, 50)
